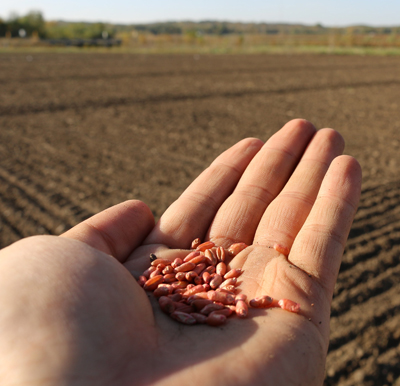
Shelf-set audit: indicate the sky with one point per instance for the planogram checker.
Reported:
(329, 13)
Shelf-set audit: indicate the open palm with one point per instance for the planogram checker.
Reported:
(295, 190)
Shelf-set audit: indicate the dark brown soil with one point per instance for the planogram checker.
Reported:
(81, 132)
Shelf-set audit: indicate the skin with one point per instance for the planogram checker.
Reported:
(72, 312)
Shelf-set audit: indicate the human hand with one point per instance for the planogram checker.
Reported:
(293, 191)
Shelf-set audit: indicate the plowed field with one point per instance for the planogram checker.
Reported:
(81, 132)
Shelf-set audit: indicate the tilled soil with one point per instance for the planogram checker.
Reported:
(81, 132)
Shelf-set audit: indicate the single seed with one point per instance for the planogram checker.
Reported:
(235, 272)
(240, 297)
(206, 277)
(194, 290)
(169, 278)
(195, 243)
(155, 262)
(167, 270)
(234, 249)
(153, 283)
(199, 295)
(211, 307)
(191, 255)
(162, 290)
(216, 281)
(231, 281)
(261, 302)
(210, 257)
(177, 262)
(183, 317)
(282, 249)
(221, 297)
(179, 284)
(197, 280)
(204, 246)
(166, 304)
(148, 271)
(175, 297)
(200, 318)
(216, 320)
(156, 273)
(142, 279)
(198, 259)
(199, 268)
(221, 254)
(241, 309)
(221, 268)
(160, 267)
(289, 305)
(210, 269)
(180, 276)
(183, 307)
(199, 304)
(191, 275)
(185, 267)
(225, 311)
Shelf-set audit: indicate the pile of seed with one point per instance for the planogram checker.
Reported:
(200, 288)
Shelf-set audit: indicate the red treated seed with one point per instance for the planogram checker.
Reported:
(191, 255)
(230, 288)
(179, 284)
(177, 262)
(221, 254)
(167, 270)
(190, 276)
(261, 302)
(142, 279)
(206, 286)
(198, 259)
(180, 276)
(220, 269)
(216, 320)
(200, 318)
(241, 309)
(161, 266)
(282, 249)
(225, 311)
(199, 268)
(183, 307)
(289, 305)
(183, 317)
(166, 304)
(175, 297)
(206, 277)
(192, 291)
(162, 290)
(211, 307)
(226, 290)
(210, 269)
(240, 297)
(169, 278)
(153, 283)
(204, 246)
(199, 304)
(148, 271)
(198, 280)
(195, 243)
(221, 297)
(231, 281)
(179, 291)
(233, 273)
(185, 267)
(210, 257)
(199, 295)
(216, 281)
(160, 261)
(189, 286)
(234, 249)
(156, 273)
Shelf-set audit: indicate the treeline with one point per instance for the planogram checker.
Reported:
(33, 24)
